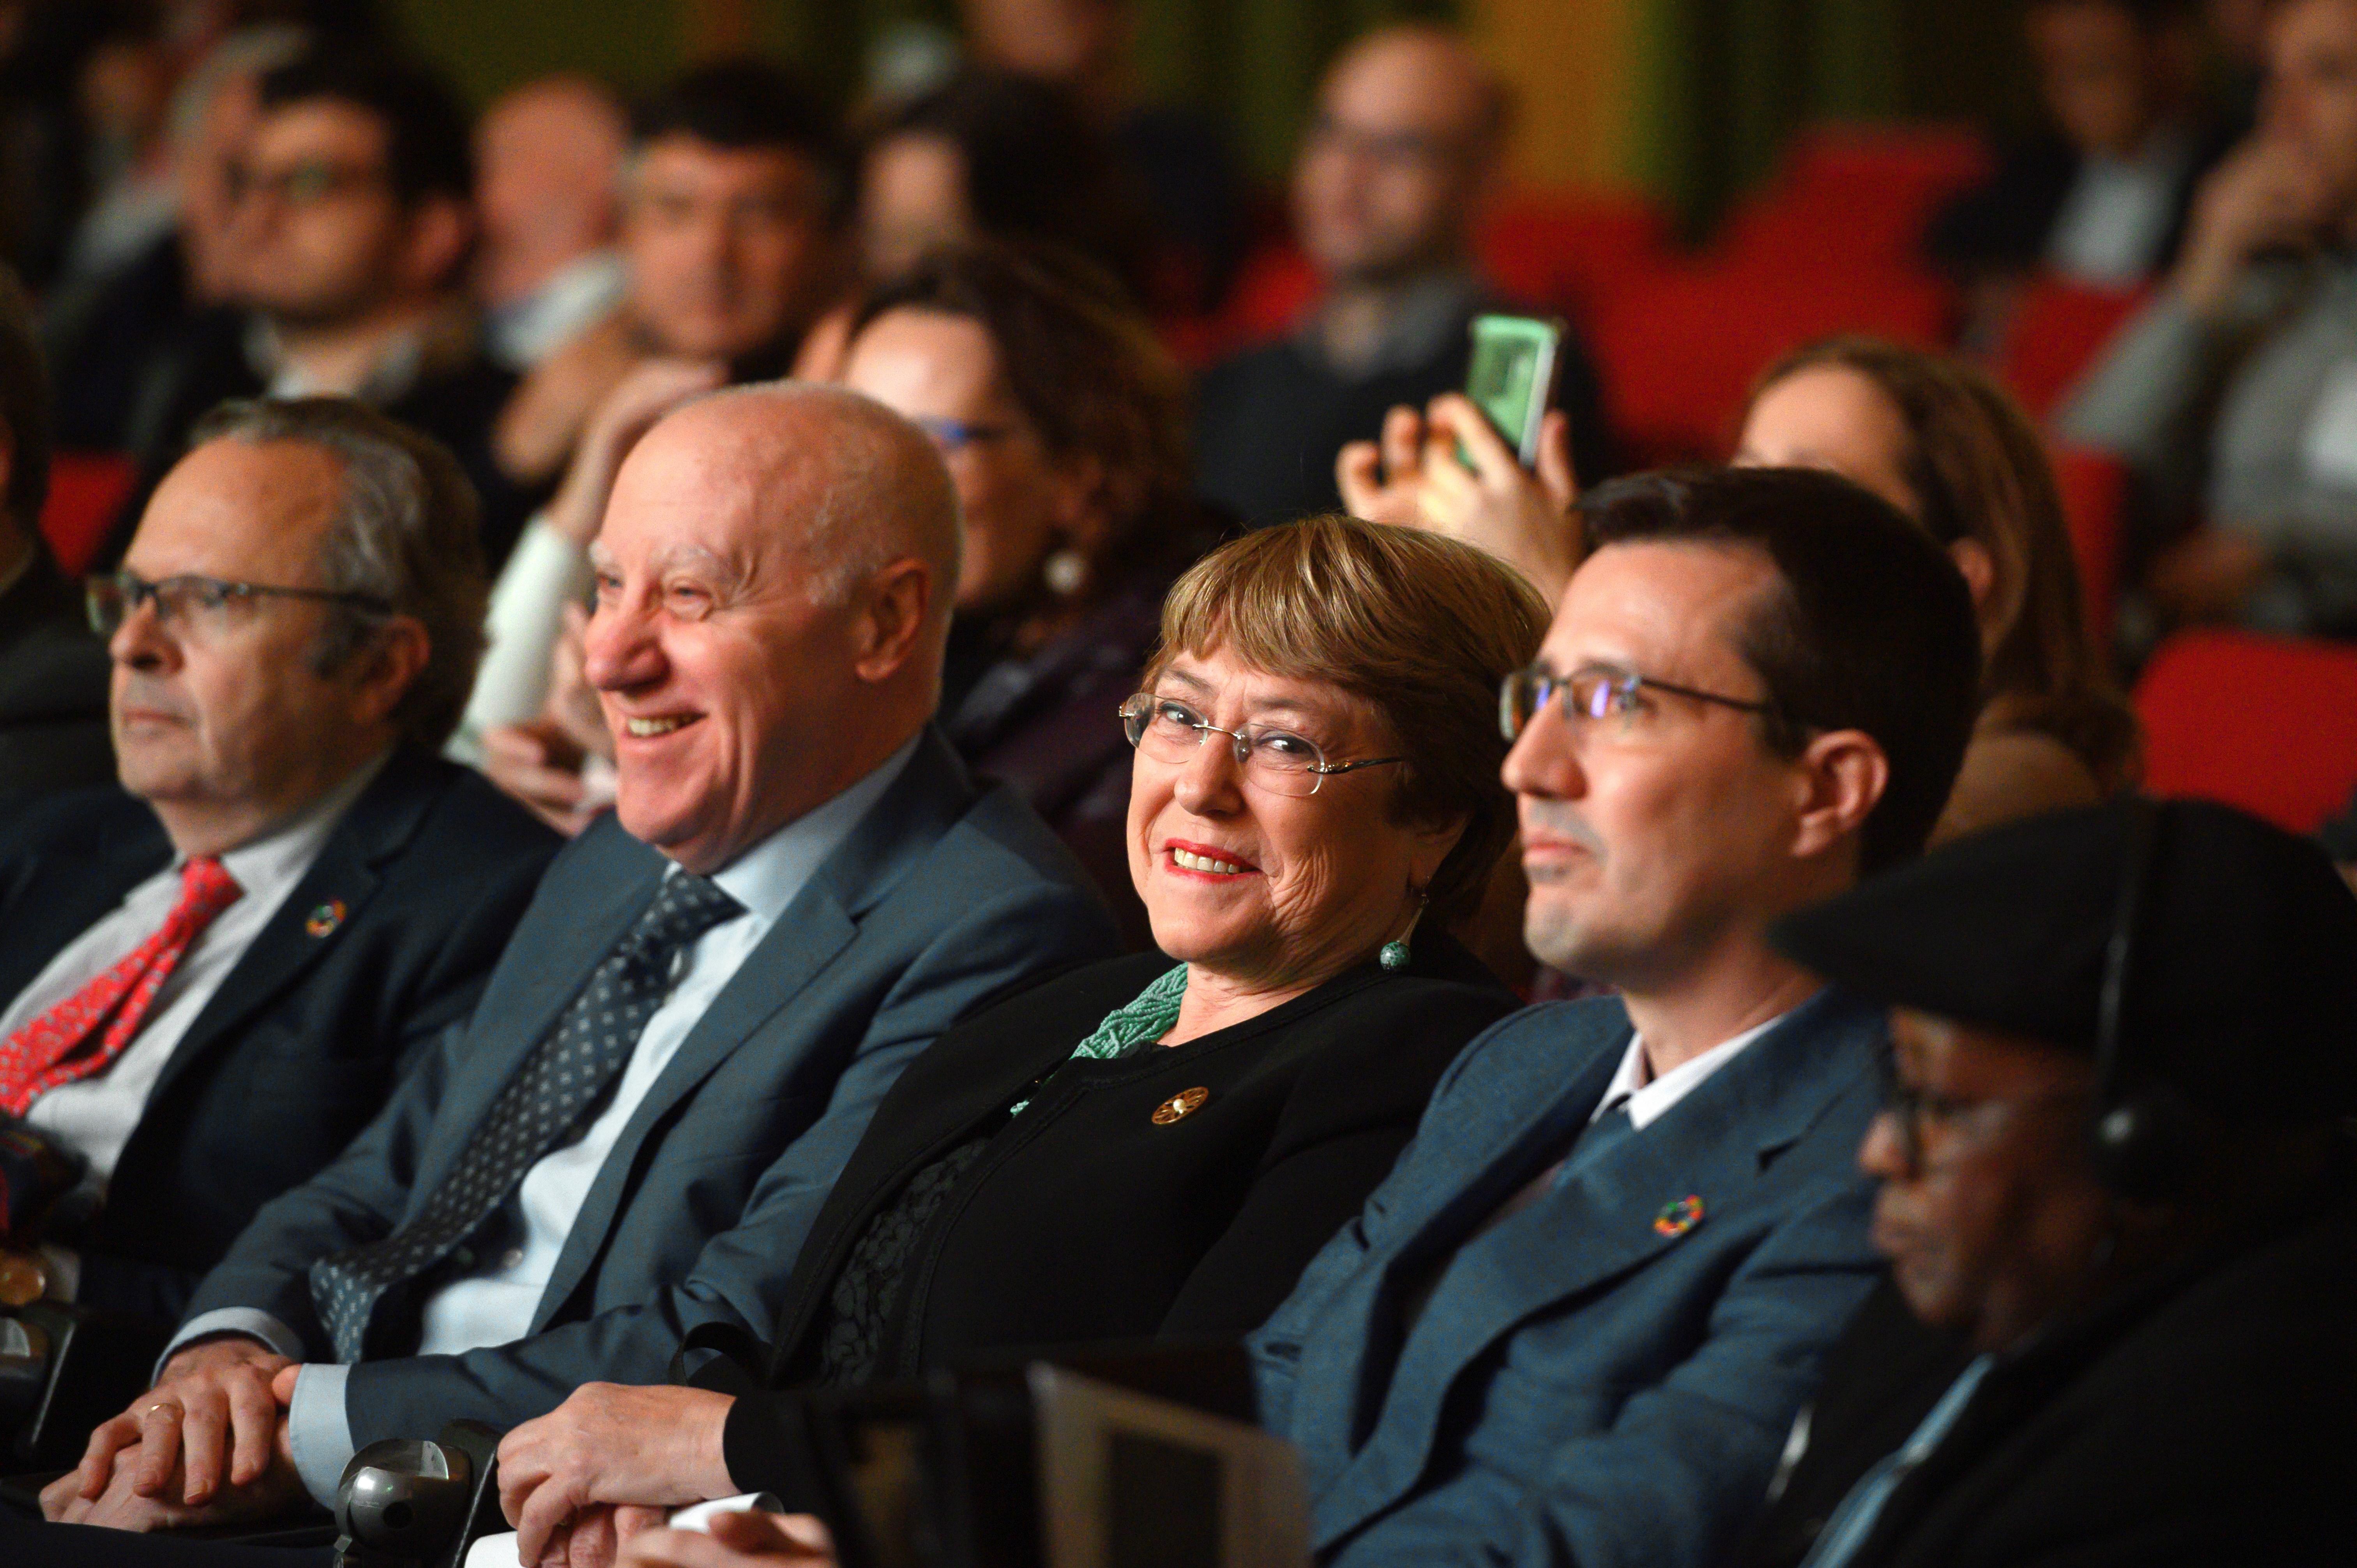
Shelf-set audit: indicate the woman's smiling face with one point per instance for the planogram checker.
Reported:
(1269, 890)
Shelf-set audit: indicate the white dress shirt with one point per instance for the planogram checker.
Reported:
(1649, 1099)
(495, 1305)
(583, 293)
(2117, 215)
(94, 1116)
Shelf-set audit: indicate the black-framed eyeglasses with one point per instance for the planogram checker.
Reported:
(954, 436)
(1921, 1115)
(1276, 760)
(196, 602)
(1595, 691)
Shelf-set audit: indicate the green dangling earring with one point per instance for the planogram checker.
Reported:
(1394, 956)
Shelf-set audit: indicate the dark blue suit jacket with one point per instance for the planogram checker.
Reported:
(302, 1043)
(1594, 1379)
(944, 896)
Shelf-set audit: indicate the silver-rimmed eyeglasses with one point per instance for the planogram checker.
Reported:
(197, 604)
(1594, 692)
(1276, 760)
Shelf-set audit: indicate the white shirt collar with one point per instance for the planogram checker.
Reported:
(769, 876)
(1648, 1101)
(296, 842)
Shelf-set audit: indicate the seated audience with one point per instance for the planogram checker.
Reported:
(1942, 443)
(349, 239)
(1009, 156)
(1575, 1322)
(215, 973)
(108, 334)
(1061, 421)
(1178, 157)
(1928, 434)
(2100, 197)
(732, 198)
(683, 1043)
(1316, 797)
(729, 235)
(1408, 132)
(2118, 1194)
(548, 174)
(2233, 394)
(52, 671)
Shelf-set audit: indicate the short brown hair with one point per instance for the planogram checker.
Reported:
(405, 534)
(1423, 628)
(1979, 471)
(1869, 629)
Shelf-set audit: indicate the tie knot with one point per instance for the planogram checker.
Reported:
(206, 889)
(686, 908)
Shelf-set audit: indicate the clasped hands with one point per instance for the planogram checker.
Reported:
(589, 1484)
(205, 1445)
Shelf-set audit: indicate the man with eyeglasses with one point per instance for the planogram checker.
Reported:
(212, 976)
(1575, 1321)
(1408, 135)
(2117, 1198)
(349, 223)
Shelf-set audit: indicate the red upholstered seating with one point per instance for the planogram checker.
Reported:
(2266, 723)
(2094, 495)
(86, 490)
(2058, 329)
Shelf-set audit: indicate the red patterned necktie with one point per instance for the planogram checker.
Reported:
(110, 1009)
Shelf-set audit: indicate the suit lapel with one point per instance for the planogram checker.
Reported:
(375, 829)
(1597, 1228)
(930, 794)
(66, 890)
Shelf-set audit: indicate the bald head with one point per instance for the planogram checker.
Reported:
(774, 581)
(1410, 125)
(549, 158)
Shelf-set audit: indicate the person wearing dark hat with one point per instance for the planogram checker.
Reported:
(2117, 1200)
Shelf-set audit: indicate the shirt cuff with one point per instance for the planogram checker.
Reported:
(319, 1429)
(251, 1322)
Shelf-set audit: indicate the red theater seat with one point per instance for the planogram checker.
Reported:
(2094, 496)
(2266, 723)
(1569, 250)
(86, 490)
(2058, 329)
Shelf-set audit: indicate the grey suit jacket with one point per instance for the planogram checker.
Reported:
(1605, 1377)
(945, 895)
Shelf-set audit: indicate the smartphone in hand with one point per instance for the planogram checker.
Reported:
(1511, 376)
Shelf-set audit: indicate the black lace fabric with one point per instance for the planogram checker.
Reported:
(868, 1288)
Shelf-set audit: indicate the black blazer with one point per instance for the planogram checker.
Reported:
(304, 1040)
(2209, 1419)
(1086, 1220)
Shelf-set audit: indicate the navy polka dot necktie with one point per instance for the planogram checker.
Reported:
(568, 1072)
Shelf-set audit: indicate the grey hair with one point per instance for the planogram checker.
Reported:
(404, 533)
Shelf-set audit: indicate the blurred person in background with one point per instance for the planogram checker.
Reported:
(350, 234)
(734, 196)
(732, 243)
(2100, 195)
(2233, 394)
(1062, 422)
(1177, 156)
(110, 334)
(1407, 140)
(53, 672)
(548, 176)
(1927, 433)
(1013, 158)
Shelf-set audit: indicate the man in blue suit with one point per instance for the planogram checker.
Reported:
(799, 890)
(1574, 1323)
